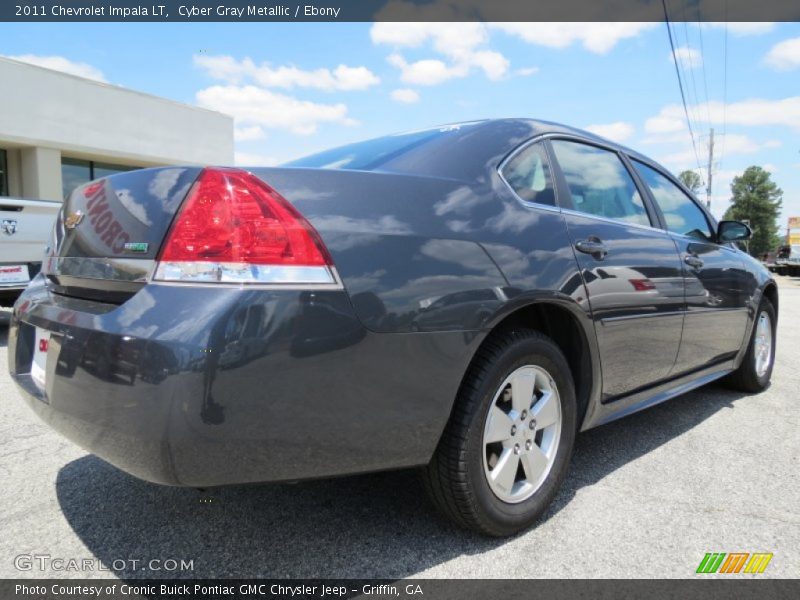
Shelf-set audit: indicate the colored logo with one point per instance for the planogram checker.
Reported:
(73, 220)
(136, 246)
(734, 562)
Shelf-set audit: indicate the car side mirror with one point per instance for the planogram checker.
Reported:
(733, 231)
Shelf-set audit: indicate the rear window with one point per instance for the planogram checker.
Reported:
(371, 154)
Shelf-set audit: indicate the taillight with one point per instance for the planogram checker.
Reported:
(234, 228)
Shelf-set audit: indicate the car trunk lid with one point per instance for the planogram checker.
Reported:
(110, 231)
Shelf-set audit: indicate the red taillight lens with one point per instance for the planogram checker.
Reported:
(235, 228)
(232, 216)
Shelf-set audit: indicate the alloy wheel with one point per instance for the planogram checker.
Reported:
(762, 345)
(521, 434)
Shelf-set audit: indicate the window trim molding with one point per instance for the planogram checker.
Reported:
(650, 212)
(710, 221)
(511, 156)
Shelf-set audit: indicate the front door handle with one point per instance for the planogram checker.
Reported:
(593, 246)
(693, 261)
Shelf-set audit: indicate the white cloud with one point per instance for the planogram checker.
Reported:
(458, 44)
(59, 63)
(246, 134)
(687, 57)
(405, 95)
(755, 111)
(732, 143)
(454, 40)
(425, 72)
(735, 143)
(230, 70)
(784, 55)
(619, 131)
(744, 28)
(254, 106)
(526, 71)
(595, 37)
(249, 159)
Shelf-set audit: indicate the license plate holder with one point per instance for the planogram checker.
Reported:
(41, 345)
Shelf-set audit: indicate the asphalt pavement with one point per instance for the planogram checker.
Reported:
(647, 496)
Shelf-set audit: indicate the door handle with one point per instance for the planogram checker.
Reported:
(593, 246)
(693, 261)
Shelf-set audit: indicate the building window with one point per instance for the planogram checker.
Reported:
(76, 171)
(3, 173)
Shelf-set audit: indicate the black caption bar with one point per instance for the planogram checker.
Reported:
(404, 589)
(399, 10)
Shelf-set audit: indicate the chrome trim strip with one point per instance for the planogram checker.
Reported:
(246, 275)
(569, 211)
(132, 270)
(693, 310)
(671, 313)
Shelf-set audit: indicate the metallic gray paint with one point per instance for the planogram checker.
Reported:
(207, 385)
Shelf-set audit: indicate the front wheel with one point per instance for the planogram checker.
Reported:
(755, 372)
(507, 446)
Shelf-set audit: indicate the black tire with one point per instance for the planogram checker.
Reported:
(746, 378)
(455, 478)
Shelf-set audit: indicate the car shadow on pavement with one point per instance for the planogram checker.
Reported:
(378, 525)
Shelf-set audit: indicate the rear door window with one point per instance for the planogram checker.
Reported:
(528, 174)
(681, 213)
(599, 183)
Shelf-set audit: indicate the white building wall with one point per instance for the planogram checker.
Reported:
(41, 173)
(45, 114)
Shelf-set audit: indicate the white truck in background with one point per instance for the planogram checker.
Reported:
(25, 227)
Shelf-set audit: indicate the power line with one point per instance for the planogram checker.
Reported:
(703, 65)
(724, 88)
(680, 84)
(688, 64)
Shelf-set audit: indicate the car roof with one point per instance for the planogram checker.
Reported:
(545, 127)
(462, 151)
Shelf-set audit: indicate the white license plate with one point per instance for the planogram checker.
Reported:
(14, 274)
(39, 365)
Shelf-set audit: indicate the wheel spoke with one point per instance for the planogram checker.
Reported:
(498, 426)
(505, 472)
(534, 463)
(522, 391)
(545, 411)
(511, 433)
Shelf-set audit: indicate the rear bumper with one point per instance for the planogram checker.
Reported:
(202, 386)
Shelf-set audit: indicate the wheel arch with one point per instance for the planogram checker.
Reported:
(569, 327)
(771, 293)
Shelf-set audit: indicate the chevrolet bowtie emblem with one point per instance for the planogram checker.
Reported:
(73, 219)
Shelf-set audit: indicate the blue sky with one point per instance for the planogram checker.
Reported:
(297, 88)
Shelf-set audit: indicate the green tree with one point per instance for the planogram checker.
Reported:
(756, 198)
(691, 180)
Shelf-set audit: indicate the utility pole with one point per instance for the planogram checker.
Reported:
(710, 162)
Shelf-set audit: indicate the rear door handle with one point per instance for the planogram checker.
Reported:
(593, 246)
(693, 261)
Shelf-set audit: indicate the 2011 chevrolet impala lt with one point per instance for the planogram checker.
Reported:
(464, 298)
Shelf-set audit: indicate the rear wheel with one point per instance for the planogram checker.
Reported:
(755, 372)
(507, 447)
